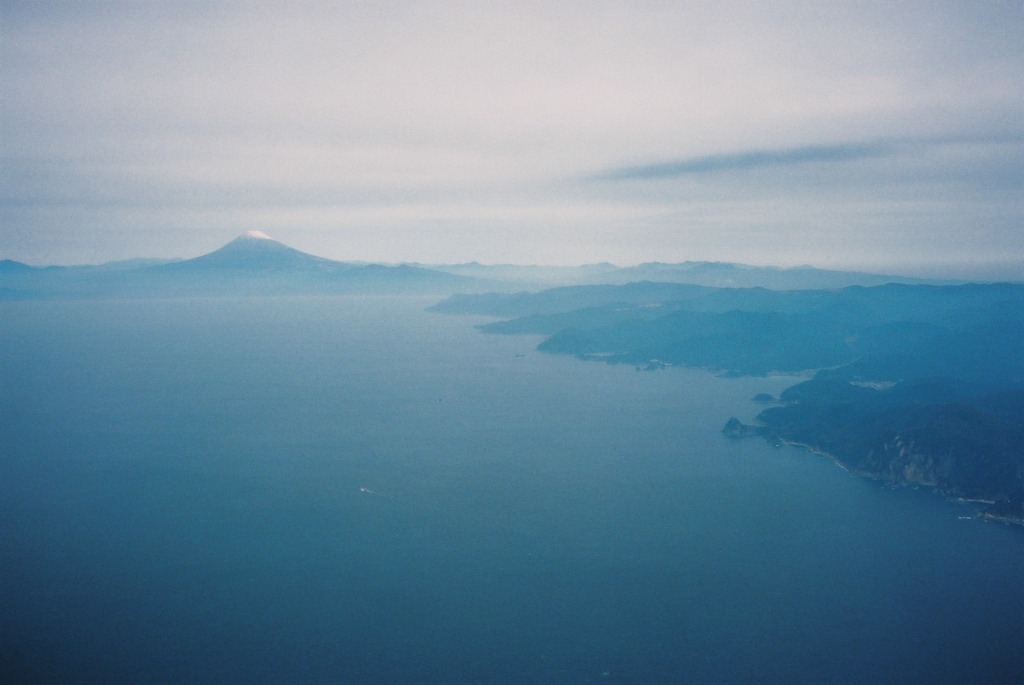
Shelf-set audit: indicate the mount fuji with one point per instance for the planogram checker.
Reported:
(255, 251)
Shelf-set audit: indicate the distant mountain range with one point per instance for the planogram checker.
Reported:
(255, 264)
(711, 274)
(250, 265)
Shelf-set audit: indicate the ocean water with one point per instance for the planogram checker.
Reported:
(352, 490)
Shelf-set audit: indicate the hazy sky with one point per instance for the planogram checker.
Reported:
(882, 135)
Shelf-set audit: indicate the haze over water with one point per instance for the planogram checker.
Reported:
(356, 491)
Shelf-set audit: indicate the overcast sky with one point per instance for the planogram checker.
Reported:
(886, 135)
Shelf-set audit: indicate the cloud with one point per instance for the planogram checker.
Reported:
(749, 159)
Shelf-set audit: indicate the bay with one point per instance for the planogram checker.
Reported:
(352, 490)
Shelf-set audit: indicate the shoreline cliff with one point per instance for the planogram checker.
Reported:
(917, 471)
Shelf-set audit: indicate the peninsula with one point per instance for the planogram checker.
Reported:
(908, 383)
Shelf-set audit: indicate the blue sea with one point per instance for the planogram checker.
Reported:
(353, 490)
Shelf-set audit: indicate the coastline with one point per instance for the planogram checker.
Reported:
(989, 513)
(986, 514)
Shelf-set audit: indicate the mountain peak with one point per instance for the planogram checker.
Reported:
(251, 239)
